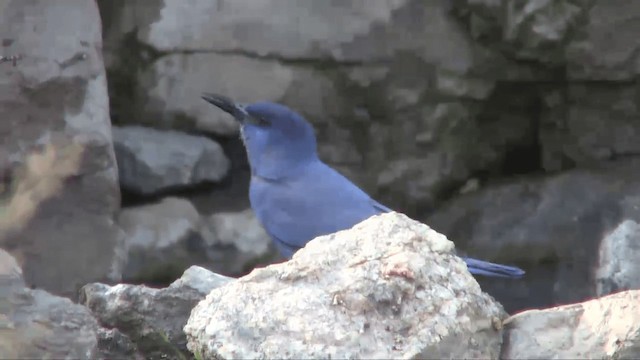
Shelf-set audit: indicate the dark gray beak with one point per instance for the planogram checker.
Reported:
(227, 105)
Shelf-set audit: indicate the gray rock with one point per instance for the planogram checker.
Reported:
(55, 141)
(555, 224)
(239, 241)
(618, 266)
(388, 288)
(113, 344)
(151, 160)
(163, 239)
(606, 48)
(605, 328)
(381, 71)
(533, 30)
(152, 318)
(38, 325)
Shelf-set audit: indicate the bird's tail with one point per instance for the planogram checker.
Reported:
(479, 267)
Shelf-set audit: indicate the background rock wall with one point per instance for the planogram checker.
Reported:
(511, 127)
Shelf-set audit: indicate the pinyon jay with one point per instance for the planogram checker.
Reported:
(295, 195)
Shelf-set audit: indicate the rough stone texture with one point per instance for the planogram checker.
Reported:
(152, 318)
(37, 325)
(619, 268)
(239, 241)
(163, 239)
(555, 224)
(533, 30)
(381, 70)
(58, 212)
(151, 160)
(605, 328)
(388, 288)
(112, 344)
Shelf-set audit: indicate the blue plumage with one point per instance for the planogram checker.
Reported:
(293, 193)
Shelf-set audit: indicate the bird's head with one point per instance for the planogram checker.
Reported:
(278, 140)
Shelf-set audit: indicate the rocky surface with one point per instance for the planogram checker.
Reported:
(388, 288)
(605, 328)
(151, 318)
(37, 325)
(163, 239)
(560, 223)
(240, 241)
(57, 161)
(618, 266)
(150, 160)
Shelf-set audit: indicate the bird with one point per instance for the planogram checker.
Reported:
(293, 193)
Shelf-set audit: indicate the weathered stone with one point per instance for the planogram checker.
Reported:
(112, 344)
(382, 71)
(555, 224)
(239, 241)
(151, 160)
(58, 218)
(573, 131)
(388, 288)
(618, 266)
(37, 325)
(605, 328)
(163, 240)
(606, 46)
(152, 318)
(534, 30)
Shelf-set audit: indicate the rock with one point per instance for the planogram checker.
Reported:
(388, 288)
(163, 239)
(383, 71)
(152, 318)
(605, 328)
(619, 253)
(533, 30)
(573, 132)
(58, 164)
(38, 325)
(606, 47)
(240, 241)
(112, 344)
(554, 224)
(151, 160)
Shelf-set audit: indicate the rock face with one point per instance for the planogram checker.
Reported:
(606, 328)
(151, 318)
(557, 223)
(162, 239)
(58, 214)
(239, 241)
(151, 160)
(38, 325)
(618, 260)
(165, 238)
(388, 288)
(381, 71)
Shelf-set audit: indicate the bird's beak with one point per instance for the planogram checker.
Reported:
(227, 105)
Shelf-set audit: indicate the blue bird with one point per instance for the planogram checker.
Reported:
(295, 195)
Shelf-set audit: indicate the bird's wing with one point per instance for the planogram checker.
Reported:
(318, 202)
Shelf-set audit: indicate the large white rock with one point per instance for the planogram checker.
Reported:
(388, 288)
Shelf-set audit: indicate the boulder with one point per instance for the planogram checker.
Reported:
(38, 325)
(152, 319)
(388, 288)
(57, 164)
(151, 161)
(604, 328)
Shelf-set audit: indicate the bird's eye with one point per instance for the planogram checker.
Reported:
(262, 121)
